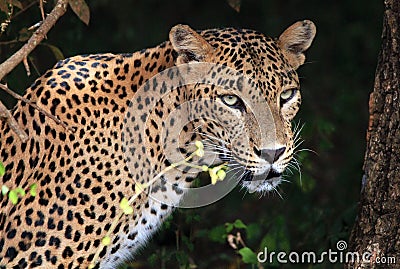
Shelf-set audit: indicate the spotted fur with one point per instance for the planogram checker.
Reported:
(82, 176)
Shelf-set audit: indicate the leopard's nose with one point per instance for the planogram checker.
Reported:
(270, 155)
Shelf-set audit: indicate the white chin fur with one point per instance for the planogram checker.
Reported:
(262, 186)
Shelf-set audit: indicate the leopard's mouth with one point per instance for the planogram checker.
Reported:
(254, 178)
(261, 183)
(249, 175)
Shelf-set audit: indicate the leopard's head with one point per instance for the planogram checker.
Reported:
(246, 103)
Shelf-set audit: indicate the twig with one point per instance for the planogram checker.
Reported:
(6, 115)
(26, 64)
(35, 106)
(41, 8)
(59, 10)
(8, 65)
(9, 42)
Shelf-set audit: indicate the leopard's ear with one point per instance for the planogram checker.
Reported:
(295, 40)
(189, 45)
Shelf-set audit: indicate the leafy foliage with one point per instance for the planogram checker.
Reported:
(248, 256)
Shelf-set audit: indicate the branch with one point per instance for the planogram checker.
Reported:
(8, 65)
(35, 106)
(6, 115)
(37, 37)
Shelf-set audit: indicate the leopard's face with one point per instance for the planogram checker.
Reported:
(246, 119)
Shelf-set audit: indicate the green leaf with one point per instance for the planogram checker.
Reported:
(15, 193)
(33, 189)
(81, 9)
(124, 205)
(20, 191)
(106, 240)
(239, 224)
(2, 169)
(13, 196)
(217, 234)
(128, 210)
(248, 256)
(4, 190)
(253, 231)
(228, 227)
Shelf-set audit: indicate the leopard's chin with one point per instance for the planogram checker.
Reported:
(260, 182)
(262, 185)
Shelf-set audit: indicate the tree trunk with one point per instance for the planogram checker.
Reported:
(376, 233)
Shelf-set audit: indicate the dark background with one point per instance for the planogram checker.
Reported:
(318, 208)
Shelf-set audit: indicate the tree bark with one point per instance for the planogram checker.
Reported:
(377, 228)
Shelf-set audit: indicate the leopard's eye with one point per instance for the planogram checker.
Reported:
(230, 100)
(287, 94)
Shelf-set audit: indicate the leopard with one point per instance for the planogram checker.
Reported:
(128, 125)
